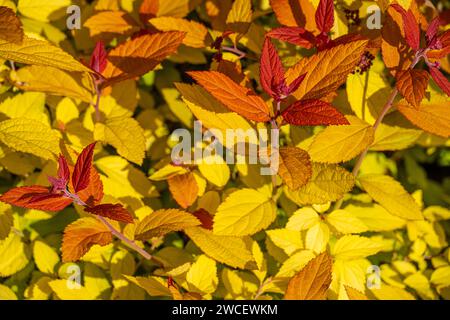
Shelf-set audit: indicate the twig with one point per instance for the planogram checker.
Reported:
(386, 108)
(241, 54)
(113, 230)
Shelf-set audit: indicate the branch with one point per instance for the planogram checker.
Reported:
(241, 54)
(114, 231)
(386, 108)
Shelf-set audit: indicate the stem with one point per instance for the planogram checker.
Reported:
(114, 231)
(13, 66)
(377, 123)
(97, 102)
(122, 237)
(241, 54)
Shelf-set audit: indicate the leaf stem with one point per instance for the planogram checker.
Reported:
(386, 108)
(113, 230)
(241, 54)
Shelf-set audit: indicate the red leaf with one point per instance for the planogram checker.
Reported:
(35, 197)
(271, 70)
(205, 218)
(313, 112)
(295, 35)
(63, 168)
(440, 80)
(432, 30)
(325, 15)
(98, 58)
(111, 211)
(81, 172)
(411, 27)
(293, 86)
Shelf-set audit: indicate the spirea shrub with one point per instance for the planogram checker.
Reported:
(219, 149)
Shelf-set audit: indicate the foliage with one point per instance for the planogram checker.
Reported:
(89, 183)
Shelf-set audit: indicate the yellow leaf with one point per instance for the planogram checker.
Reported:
(14, 255)
(55, 82)
(6, 220)
(68, 290)
(45, 257)
(66, 111)
(441, 276)
(202, 276)
(197, 35)
(238, 284)
(326, 70)
(295, 263)
(303, 219)
(391, 195)
(116, 179)
(348, 273)
(167, 172)
(288, 240)
(96, 282)
(6, 293)
(295, 167)
(240, 16)
(375, 217)
(341, 143)
(215, 170)
(125, 134)
(312, 282)
(233, 251)
(40, 52)
(344, 222)
(28, 105)
(244, 212)
(163, 221)
(387, 292)
(30, 136)
(327, 183)
(43, 11)
(155, 286)
(317, 237)
(368, 92)
(389, 138)
(354, 247)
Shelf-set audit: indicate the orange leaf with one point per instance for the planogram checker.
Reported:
(35, 197)
(93, 193)
(354, 294)
(197, 36)
(312, 282)
(412, 85)
(136, 57)
(397, 54)
(184, 189)
(326, 70)
(295, 13)
(112, 211)
(10, 26)
(295, 167)
(107, 24)
(81, 235)
(237, 98)
(432, 118)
